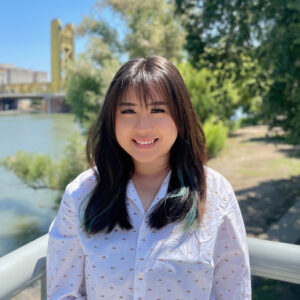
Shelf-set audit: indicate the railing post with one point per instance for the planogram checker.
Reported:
(43, 287)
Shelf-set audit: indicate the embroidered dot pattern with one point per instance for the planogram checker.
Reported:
(144, 263)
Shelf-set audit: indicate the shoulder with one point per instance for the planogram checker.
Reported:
(74, 195)
(79, 188)
(83, 181)
(219, 193)
(216, 182)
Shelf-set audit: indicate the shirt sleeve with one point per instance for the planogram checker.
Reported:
(65, 257)
(232, 276)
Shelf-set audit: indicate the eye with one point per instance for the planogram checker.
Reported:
(127, 111)
(157, 110)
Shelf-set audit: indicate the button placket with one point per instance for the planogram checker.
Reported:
(140, 261)
(140, 275)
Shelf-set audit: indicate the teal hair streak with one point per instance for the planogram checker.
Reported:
(180, 176)
(181, 192)
(183, 189)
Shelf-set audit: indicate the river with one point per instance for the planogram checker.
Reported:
(26, 213)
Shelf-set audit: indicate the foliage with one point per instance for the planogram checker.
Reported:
(207, 99)
(73, 162)
(84, 91)
(39, 171)
(222, 34)
(216, 135)
(200, 85)
(34, 169)
(150, 28)
(282, 103)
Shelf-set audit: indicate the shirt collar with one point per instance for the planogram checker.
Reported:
(132, 194)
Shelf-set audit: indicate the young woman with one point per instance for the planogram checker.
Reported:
(148, 220)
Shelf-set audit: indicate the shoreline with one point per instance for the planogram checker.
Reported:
(17, 112)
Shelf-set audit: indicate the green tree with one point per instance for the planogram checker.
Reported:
(207, 97)
(225, 33)
(85, 88)
(150, 27)
(216, 135)
(281, 51)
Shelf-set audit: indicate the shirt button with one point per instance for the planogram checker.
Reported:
(140, 275)
(144, 233)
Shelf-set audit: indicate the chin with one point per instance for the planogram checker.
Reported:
(145, 160)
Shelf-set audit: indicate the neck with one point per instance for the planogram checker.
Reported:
(151, 170)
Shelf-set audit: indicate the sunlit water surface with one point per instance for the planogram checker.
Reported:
(26, 213)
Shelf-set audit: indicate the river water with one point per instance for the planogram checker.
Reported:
(26, 213)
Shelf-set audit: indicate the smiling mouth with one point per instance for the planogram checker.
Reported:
(145, 142)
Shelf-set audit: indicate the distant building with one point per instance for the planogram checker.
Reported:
(3, 77)
(10, 74)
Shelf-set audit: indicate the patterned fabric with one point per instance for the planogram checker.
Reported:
(210, 262)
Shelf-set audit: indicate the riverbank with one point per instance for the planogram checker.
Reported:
(11, 112)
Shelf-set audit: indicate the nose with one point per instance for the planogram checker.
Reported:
(143, 123)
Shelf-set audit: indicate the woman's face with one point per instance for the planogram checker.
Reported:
(146, 134)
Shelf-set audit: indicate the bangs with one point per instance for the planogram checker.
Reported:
(146, 86)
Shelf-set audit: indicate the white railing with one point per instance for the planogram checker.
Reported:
(22, 267)
(27, 264)
(274, 260)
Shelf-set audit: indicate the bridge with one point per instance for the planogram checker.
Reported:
(48, 102)
(47, 96)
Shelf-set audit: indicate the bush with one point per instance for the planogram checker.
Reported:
(40, 171)
(208, 98)
(216, 135)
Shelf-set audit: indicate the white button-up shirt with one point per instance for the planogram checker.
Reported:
(210, 262)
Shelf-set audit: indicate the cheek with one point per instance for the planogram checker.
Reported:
(123, 131)
(169, 127)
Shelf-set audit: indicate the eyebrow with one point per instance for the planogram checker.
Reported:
(150, 104)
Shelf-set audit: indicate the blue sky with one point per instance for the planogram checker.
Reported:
(25, 29)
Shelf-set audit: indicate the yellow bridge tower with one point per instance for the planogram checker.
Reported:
(62, 52)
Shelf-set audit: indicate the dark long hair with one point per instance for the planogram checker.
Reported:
(185, 199)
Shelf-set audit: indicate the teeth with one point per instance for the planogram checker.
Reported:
(145, 143)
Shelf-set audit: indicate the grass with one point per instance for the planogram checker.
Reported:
(280, 165)
(290, 165)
